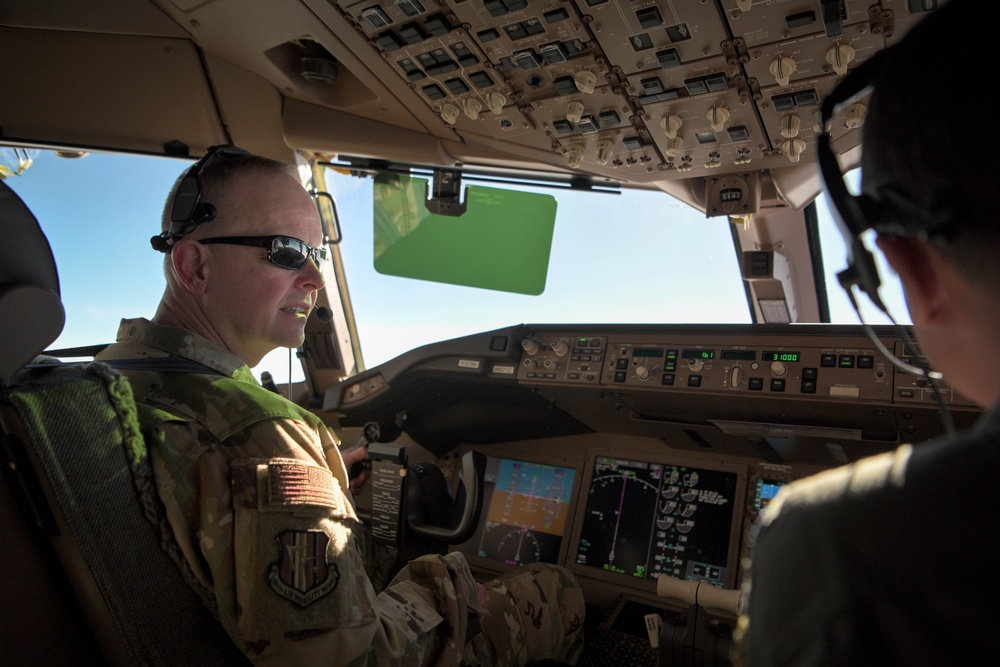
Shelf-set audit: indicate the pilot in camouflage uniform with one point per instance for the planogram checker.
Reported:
(254, 491)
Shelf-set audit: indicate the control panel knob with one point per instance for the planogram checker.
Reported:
(790, 126)
(605, 148)
(839, 56)
(574, 155)
(778, 368)
(696, 365)
(529, 345)
(792, 148)
(550, 364)
(670, 124)
(735, 376)
(449, 113)
(855, 116)
(472, 107)
(585, 80)
(674, 147)
(559, 347)
(642, 372)
(574, 112)
(495, 102)
(717, 117)
(781, 69)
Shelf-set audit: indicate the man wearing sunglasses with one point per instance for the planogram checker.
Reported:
(254, 487)
(892, 560)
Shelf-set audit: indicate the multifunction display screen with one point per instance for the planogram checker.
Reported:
(646, 519)
(526, 509)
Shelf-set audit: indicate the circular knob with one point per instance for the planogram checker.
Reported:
(472, 108)
(604, 151)
(696, 364)
(574, 155)
(529, 363)
(855, 116)
(559, 347)
(839, 56)
(585, 80)
(778, 369)
(793, 148)
(781, 69)
(529, 345)
(790, 126)
(495, 102)
(449, 113)
(717, 117)
(670, 124)
(642, 372)
(574, 112)
(550, 364)
(674, 147)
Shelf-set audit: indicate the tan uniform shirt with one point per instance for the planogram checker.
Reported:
(255, 492)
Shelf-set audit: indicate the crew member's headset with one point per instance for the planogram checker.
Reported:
(885, 210)
(188, 210)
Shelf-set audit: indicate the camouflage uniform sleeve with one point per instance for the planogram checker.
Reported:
(265, 521)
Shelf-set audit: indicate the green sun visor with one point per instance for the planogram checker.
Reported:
(501, 242)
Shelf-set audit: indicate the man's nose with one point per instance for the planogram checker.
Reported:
(311, 275)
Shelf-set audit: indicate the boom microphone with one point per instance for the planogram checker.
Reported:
(323, 314)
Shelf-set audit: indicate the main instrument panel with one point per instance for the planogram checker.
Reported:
(639, 456)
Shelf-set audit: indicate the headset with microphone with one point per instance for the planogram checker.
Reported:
(883, 209)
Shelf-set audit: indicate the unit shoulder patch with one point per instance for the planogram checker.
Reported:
(303, 574)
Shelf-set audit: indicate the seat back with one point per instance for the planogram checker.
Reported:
(86, 577)
(30, 309)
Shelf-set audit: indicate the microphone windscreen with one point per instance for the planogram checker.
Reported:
(323, 314)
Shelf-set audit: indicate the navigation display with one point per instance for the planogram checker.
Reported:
(644, 519)
(526, 508)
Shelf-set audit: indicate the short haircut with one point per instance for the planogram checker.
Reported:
(219, 173)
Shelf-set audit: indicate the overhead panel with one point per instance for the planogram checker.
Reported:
(640, 91)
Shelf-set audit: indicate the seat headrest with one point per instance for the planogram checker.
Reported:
(31, 311)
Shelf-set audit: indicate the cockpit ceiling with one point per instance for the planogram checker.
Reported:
(656, 94)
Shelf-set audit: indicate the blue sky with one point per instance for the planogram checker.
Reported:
(635, 257)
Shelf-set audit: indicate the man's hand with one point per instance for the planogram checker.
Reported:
(358, 467)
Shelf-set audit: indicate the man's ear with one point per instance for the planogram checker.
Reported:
(189, 263)
(919, 266)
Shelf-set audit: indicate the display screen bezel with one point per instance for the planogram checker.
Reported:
(470, 548)
(644, 584)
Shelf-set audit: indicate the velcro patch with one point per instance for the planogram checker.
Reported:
(302, 574)
(293, 482)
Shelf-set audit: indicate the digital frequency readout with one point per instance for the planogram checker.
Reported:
(780, 356)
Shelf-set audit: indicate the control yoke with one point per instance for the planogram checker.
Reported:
(418, 494)
(469, 497)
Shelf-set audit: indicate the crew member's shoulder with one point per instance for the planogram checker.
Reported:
(223, 405)
(827, 490)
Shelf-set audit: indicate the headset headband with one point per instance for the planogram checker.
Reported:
(187, 210)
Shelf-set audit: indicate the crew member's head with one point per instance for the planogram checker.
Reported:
(929, 162)
(244, 249)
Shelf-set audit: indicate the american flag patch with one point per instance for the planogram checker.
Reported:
(297, 483)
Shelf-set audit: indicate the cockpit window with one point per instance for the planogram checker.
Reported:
(634, 257)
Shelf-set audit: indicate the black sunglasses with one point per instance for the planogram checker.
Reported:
(284, 251)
